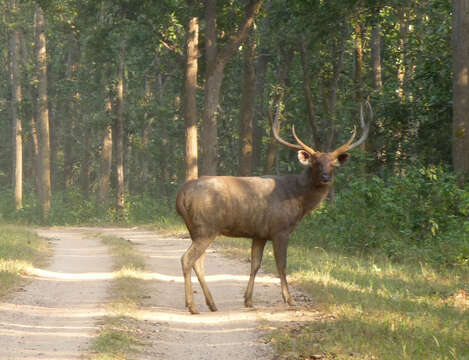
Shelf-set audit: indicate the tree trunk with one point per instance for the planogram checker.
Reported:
(376, 51)
(70, 110)
(120, 201)
(247, 109)
(276, 108)
(401, 70)
(106, 158)
(29, 109)
(460, 55)
(16, 98)
(85, 163)
(216, 62)
(190, 105)
(43, 117)
(330, 85)
(358, 64)
(358, 80)
(261, 70)
(309, 97)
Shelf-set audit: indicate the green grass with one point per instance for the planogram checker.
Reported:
(20, 250)
(119, 337)
(374, 308)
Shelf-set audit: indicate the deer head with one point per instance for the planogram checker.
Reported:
(323, 163)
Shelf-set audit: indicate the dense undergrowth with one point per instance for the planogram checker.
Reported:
(420, 215)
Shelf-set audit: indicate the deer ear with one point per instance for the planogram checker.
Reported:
(343, 158)
(304, 158)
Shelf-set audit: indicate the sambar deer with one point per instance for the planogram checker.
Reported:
(261, 208)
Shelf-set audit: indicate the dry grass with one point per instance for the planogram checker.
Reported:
(20, 250)
(119, 337)
(375, 309)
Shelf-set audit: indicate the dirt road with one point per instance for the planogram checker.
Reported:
(55, 315)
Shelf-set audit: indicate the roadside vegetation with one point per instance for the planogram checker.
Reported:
(20, 250)
(119, 335)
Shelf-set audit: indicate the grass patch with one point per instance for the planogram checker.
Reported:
(119, 336)
(20, 250)
(377, 309)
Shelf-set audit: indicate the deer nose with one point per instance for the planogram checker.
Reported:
(325, 178)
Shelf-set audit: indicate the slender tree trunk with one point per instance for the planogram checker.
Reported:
(216, 62)
(247, 109)
(261, 70)
(330, 85)
(358, 79)
(146, 154)
(376, 51)
(120, 201)
(460, 52)
(16, 98)
(70, 109)
(43, 117)
(358, 64)
(401, 70)
(309, 97)
(106, 157)
(85, 162)
(190, 105)
(30, 114)
(276, 109)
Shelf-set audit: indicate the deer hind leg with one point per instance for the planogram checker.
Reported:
(257, 250)
(280, 252)
(195, 251)
(199, 269)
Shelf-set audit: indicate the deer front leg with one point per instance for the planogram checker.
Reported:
(257, 249)
(280, 253)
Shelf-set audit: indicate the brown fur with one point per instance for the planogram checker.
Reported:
(261, 208)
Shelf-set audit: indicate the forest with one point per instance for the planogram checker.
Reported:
(107, 107)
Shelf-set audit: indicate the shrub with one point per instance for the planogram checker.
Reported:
(419, 214)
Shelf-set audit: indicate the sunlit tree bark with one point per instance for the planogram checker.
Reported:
(16, 98)
(43, 117)
(190, 105)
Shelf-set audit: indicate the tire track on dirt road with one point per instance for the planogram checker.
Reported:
(54, 316)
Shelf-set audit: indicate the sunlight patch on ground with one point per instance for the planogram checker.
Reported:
(127, 272)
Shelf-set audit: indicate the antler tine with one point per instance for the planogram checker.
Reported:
(305, 147)
(366, 129)
(274, 125)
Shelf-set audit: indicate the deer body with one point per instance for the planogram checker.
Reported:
(261, 208)
(252, 207)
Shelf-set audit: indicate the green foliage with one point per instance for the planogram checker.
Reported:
(72, 208)
(419, 214)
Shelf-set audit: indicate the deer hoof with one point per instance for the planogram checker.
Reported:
(212, 307)
(248, 303)
(193, 310)
(291, 302)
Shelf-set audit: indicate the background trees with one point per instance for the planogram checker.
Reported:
(104, 112)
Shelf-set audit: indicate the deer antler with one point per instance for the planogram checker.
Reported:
(275, 128)
(365, 127)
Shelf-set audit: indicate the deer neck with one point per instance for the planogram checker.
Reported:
(312, 191)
